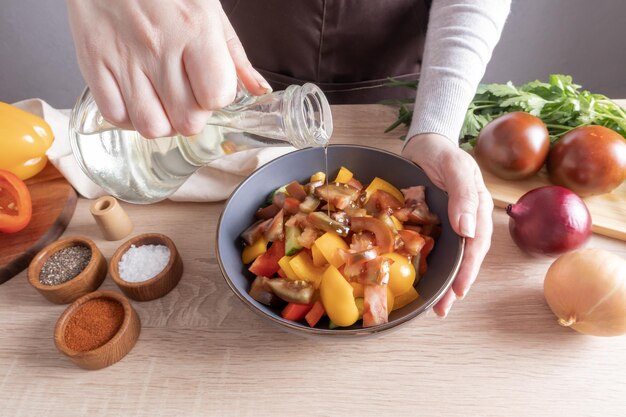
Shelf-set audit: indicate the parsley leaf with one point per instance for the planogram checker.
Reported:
(560, 103)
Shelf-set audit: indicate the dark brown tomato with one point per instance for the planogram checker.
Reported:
(588, 160)
(513, 146)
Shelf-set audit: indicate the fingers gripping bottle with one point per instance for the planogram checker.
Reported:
(140, 170)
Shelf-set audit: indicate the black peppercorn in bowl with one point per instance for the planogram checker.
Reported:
(58, 274)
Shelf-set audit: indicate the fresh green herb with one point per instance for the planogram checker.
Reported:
(560, 103)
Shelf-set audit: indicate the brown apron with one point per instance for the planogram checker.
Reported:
(347, 47)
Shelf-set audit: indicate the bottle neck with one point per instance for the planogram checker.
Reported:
(308, 119)
(299, 115)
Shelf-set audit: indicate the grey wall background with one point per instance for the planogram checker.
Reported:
(578, 37)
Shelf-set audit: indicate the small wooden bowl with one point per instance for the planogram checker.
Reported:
(87, 281)
(113, 350)
(160, 284)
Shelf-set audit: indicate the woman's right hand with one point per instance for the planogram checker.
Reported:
(160, 67)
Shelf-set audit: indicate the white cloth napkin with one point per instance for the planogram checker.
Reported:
(214, 182)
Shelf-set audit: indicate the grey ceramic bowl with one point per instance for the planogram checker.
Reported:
(366, 163)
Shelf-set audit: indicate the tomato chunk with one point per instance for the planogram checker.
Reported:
(17, 208)
(292, 205)
(296, 190)
(375, 305)
(426, 249)
(266, 265)
(384, 238)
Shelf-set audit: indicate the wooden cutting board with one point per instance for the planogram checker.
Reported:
(608, 211)
(54, 201)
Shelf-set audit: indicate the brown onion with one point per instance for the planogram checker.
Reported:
(549, 220)
(586, 289)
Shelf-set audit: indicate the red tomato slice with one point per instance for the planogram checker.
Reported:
(296, 190)
(291, 205)
(266, 265)
(384, 238)
(17, 207)
(428, 246)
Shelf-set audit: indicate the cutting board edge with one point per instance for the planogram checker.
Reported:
(596, 227)
(22, 262)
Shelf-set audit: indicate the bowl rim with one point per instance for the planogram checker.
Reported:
(364, 331)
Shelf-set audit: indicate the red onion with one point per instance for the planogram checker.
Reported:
(549, 220)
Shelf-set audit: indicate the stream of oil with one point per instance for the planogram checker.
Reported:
(326, 175)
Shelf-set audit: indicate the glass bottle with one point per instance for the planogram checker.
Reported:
(140, 170)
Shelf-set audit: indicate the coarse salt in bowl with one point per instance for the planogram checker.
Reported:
(135, 263)
(141, 263)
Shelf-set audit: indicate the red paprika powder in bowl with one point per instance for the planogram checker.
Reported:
(97, 330)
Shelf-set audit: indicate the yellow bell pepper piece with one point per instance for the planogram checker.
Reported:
(338, 299)
(360, 305)
(380, 184)
(390, 300)
(286, 267)
(396, 222)
(318, 258)
(303, 268)
(329, 244)
(404, 299)
(24, 140)
(344, 175)
(251, 252)
(318, 176)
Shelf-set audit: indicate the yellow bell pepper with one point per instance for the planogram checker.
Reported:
(251, 252)
(396, 222)
(318, 258)
(390, 300)
(344, 175)
(329, 244)
(360, 305)
(404, 299)
(302, 266)
(380, 184)
(318, 176)
(287, 269)
(24, 140)
(338, 299)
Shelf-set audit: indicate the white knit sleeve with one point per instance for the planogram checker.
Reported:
(460, 39)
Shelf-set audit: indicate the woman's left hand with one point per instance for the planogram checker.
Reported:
(469, 208)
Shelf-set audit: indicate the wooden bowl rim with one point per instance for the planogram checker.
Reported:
(165, 272)
(34, 268)
(59, 329)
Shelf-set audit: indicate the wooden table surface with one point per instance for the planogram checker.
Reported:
(500, 352)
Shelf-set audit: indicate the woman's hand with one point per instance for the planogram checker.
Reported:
(160, 67)
(469, 208)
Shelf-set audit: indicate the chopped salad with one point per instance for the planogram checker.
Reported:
(340, 249)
